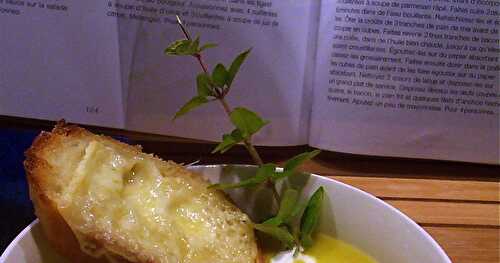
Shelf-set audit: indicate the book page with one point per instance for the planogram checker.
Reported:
(60, 60)
(270, 81)
(409, 79)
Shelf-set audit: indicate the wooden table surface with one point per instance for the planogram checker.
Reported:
(458, 204)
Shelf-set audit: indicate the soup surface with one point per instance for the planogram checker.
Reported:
(326, 249)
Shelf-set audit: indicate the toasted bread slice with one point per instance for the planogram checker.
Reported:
(110, 200)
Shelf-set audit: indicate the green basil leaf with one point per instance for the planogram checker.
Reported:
(292, 220)
(248, 122)
(219, 75)
(235, 66)
(203, 85)
(310, 218)
(228, 141)
(288, 203)
(292, 164)
(297, 160)
(287, 206)
(263, 173)
(298, 209)
(226, 144)
(191, 104)
(178, 47)
(193, 48)
(280, 233)
(207, 46)
(187, 47)
(273, 221)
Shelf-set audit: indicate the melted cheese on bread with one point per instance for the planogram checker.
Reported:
(146, 210)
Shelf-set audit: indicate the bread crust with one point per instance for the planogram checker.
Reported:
(57, 231)
(55, 228)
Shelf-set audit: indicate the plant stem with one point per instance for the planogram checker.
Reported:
(202, 64)
(253, 152)
(197, 55)
(220, 97)
(248, 144)
(184, 30)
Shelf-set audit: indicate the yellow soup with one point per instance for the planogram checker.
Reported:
(330, 250)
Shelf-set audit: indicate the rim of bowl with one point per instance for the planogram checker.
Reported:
(13, 244)
(426, 235)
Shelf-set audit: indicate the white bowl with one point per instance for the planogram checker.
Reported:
(349, 214)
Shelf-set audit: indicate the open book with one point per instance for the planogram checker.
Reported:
(399, 78)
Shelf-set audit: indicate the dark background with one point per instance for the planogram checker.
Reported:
(15, 204)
